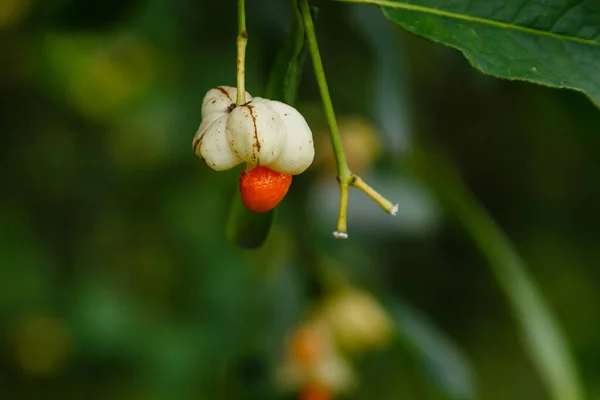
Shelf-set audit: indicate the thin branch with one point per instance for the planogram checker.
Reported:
(344, 174)
(241, 42)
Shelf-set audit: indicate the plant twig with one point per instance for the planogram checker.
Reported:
(372, 193)
(241, 42)
(342, 230)
(345, 175)
(340, 158)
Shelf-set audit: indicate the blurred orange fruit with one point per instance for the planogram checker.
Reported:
(315, 392)
(306, 346)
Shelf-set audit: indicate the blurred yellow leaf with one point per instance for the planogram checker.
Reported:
(12, 12)
(41, 344)
(101, 74)
(361, 141)
(358, 320)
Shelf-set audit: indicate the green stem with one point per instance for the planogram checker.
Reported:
(342, 228)
(241, 42)
(344, 172)
(345, 176)
(387, 205)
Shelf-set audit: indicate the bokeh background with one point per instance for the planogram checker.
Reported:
(117, 281)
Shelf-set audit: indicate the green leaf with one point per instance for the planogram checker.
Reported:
(554, 42)
(245, 228)
(541, 333)
(248, 229)
(285, 75)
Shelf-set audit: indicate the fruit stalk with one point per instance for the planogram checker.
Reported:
(241, 42)
(336, 141)
(373, 194)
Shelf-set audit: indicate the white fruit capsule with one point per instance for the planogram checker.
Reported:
(260, 132)
(214, 149)
(256, 133)
(299, 151)
(220, 99)
(206, 122)
(204, 125)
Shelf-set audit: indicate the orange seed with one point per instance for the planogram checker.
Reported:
(315, 392)
(262, 188)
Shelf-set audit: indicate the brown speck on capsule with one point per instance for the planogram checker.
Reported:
(195, 144)
(225, 92)
(232, 147)
(256, 143)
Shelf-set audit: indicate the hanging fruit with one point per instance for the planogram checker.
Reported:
(260, 132)
(271, 137)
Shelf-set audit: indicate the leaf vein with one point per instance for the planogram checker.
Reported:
(564, 13)
(469, 18)
(520, 10)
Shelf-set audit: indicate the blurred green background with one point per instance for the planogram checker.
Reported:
(116, 279)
